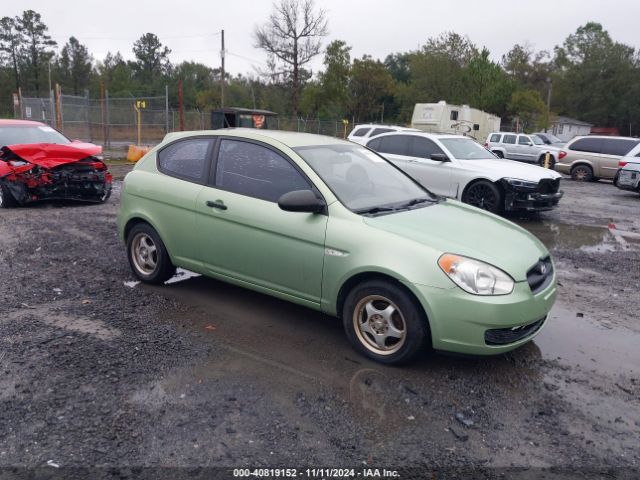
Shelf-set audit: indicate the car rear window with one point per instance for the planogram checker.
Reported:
(360, 132)
(589, 145)
(185, 159)
(394, 144)
(617, 146)
(511, 139)
(378, 131)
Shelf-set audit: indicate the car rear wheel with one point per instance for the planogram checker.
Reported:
(6, 199)
(485, 195)
(384, 322)
(582, 173)
(148, 257)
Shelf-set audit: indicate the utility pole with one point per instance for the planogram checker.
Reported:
(222, 73)
(550, 83)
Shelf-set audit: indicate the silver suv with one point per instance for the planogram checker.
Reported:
(521, 147)
(362, 133)
(593, 157)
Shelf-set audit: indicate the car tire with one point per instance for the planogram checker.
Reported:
(498, 154)
(400, 329)
(6, 198)
(147, 255)
(485, 195)
(552, 162)
(582, 173)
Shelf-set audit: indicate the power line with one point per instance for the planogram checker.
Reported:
(169, 37)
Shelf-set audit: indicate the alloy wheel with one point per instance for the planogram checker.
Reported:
(482, 196)
(144, 254)
(379, 325)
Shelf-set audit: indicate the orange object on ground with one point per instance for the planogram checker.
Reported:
(136, 152)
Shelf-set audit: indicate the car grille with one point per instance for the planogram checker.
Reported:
(540, 275)
(504, 336)
(548, 185)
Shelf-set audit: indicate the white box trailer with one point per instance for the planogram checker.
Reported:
(455, 119)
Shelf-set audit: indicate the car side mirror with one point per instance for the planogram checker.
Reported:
(302, 201)
(439, 157)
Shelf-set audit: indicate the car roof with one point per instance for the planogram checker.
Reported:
(419, 133)
(9, 122)
(615, 137)
(290, 139)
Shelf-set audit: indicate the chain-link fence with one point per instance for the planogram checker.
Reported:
(116, 122)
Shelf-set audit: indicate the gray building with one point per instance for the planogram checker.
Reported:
(566, 128)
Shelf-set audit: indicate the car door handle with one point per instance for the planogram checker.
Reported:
(218, 205)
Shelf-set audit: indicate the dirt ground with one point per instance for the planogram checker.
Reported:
(99, 371)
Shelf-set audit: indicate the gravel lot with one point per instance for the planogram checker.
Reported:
(198, 373)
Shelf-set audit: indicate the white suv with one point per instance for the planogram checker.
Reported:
(362, 133)
(457, 167)
(521, 147)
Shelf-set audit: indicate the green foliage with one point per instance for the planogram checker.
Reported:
(74, 66)
(370, 87)
(528, 106)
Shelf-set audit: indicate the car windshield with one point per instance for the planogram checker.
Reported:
(362, 180)
(536, 140)
(15, 135)
(466, 149)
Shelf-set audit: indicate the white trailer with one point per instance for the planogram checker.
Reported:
(455, 119)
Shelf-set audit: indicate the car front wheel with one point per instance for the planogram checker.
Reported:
(384, 322)
(485, 195)
(6, 199)
(148, 256)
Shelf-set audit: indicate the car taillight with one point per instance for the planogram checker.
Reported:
(562, 154)
(621, 164)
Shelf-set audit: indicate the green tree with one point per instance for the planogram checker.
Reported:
(38, 46)
(152, 59)
(11, 43)
(74, 66)
(334, 81)
(528, 106)
(597, 79)
(291, 37)
(370, 86)
(117, 75)
(487, 85)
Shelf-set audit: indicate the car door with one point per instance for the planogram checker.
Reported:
(399, 150)
(525, 149)
(433, 174)
(245, 235)
(509, 141)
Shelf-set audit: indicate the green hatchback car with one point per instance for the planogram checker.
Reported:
(333, 226)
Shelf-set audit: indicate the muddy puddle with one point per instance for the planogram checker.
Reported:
(592, 239)
(293, 350)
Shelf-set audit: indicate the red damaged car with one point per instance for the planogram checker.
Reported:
(39, 163)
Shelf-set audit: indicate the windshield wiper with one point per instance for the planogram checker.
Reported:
(415, 201)
(372, 210)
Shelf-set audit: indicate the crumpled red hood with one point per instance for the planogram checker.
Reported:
(51, 155)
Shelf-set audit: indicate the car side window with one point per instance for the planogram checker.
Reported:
(495, 138)
(360, 132)
(395, 145)
(186, 159)
(378, 131)
(617, 146)
(510, 139)
(524, 140)
(374, 144)
(423, 148)
(256, 171)
(589, 145)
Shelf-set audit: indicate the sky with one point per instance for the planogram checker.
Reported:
(191, 29)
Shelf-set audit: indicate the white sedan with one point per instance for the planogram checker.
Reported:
(457, 167)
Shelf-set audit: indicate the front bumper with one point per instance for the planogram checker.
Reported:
(470, 324)
(534, 201)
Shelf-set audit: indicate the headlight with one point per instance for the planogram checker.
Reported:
(474, 276)
(517, 183)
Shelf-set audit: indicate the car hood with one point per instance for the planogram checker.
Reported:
(50, 155)
(498, 168)
(453, 227)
